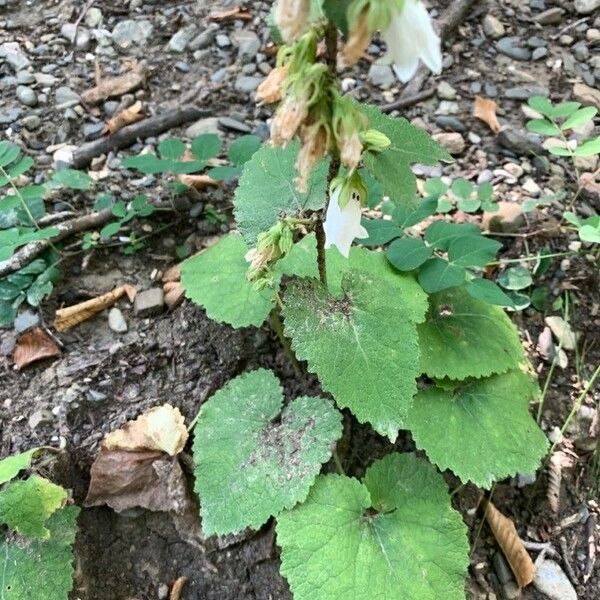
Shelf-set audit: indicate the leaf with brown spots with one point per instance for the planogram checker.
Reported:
(34, 345)
(126, 117)
(485, 110)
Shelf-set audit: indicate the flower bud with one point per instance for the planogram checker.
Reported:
(374, 140)
(291, 17)
(271, 89)
(315, 143)
(289, 116)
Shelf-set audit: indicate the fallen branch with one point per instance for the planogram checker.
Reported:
(142, 129)
(408, 101)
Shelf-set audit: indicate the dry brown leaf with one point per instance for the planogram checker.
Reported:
(199, 182)
(485, 110)
(174, 294)
(160, 429)
(178, 588)
(126, 117)
(34, 345)
(508, 539)
(232, 14)
(115, 86)
(560, 460)
(172, 273)
(68, 317)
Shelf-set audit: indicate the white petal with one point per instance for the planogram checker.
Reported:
(342, 225)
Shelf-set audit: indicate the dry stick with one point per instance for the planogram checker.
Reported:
(409, 101)
(142, 129)
(455, 13)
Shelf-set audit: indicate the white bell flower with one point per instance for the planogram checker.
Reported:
(410, 37)
(342, 225)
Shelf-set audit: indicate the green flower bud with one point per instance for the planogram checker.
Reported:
(374, 140)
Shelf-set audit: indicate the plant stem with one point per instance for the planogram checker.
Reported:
(338, 462)
(277, 326)
(321, 258)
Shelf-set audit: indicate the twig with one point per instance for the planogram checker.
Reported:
(80, 18)
(142, 129)
(590, 537)
(55, 218)
(566, 562)
(405, 102)
(178, 588)
(567, 27)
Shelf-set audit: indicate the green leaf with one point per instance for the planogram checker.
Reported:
(394, 536)
(503, 439)
(345, 335)
(301, 260)
(374, 188)
(464, 337)
(40, 569)
(243, 148)
(171, 149)
(216, 279)
(206, 146)
(8, 313)
(572, 218)
(12, 465)
(543, 127)
(337, 11)
(408, 253)
(580, 117)
(564, 109)
(441, 234)
(73, 179)
(392, 167)
(515, 278)
(560, 150)
(462, 188)
(17, 169)
(590, 233)
(406, 217)
(541, 104)
(146, 163)
(26, 505)
(487, 291)
(38, 291)
(472, 250)
(438, 274)
(224, 173)
(588, 148)
(436, 186)
(380, 231)
(8, 290)
(540, 299)
(520, 301)
(110, 229)
(267, 190)
(103, 202)
(9, 152)
(261, 456)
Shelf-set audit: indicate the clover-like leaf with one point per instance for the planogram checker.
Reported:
(394, 536)
(216, 279)
(366, 319)
(242, 149)
(11, 465)
(408, 253)
(503, 439)
(464, 337)
(206, 146)
(255, 458)
(437, 274)
(40, 569)
(26, 505)
(392, 166)
(267, 190)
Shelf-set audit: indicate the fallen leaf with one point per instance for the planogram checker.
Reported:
(232, 14)
(485, 110)
(34, 345)
(173, 273)
(115, 86)
(126, 117)
(562, 331)
(508, 539)
(560, 460)
(178, 588)
(174, 294)
(199, 182)
(160, 429)
(66, 318)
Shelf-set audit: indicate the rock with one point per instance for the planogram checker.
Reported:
(77, 36)
(26, 320)
(63, 157)
(131, 33)
(91, 131)
(44, 79)
(31, 122)
(531, 187)
(539, 53)
(513, 48)
(492, 27)
(551, 580)
(524, 92)
(382, 75)
(248, 44)
(447, 107)
(208, 125)
(592, 35)
(545, 344)
(10, 116)
(149, 302)
(587, 95)
(65, 97)
(518, 142)
(93, 17)
(204, 39)
(26, 96)
(234, 125)
(552, 16)
(180, 40)
(501, 568)
(12, 54)
(25, 78)
(247, 84)
(450, 124)
(38, 418)
(509, 218)
(562, 331)
(453, 142)
(445, 91)
(223, 40)
(586, 163)
(511, 590)
(116, 320)
(585, 7)
(514, 170)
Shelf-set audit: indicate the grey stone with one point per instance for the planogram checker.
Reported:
(518, 142)
(65, 97)
(552, 16)
(26, 320)
(110, 107)
(182, 66)
(208, 125)
(551, 580)
(116, 320)
(77, 36)
(204, 39)
(445, 91)
(450, 124)
(581, 51)
(45, 79)
(93, 17)
(93, 130)
(180, 40)
(513, 48)
(501, 568)
(524, 92)
(234, 124)
(130, 33)
(249, 69)
(96, 396)
(539, 53)
(31, 122)
(587, 95)
(585, 7)
(382, 75)
(10, 116)
(39, 417)
(452, 141)
(248, 44)
(247, 84)
(26, 95)
(493, 27)
(219, 75)
(150, 302)
(536, 42)
(25, 78)
(12, 54)
(223, 41)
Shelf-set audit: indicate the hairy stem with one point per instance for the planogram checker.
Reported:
(277, 326)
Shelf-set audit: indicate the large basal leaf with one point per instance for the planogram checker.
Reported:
(464, 337)
(216, 279)
(11, 465)
(254, 459)
(26, 505)
(409, 145)
(394, 536)
(360, 337)
(40, 569)
(481, 430)
(267, 190)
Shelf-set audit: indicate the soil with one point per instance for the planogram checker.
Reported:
(103, 379)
